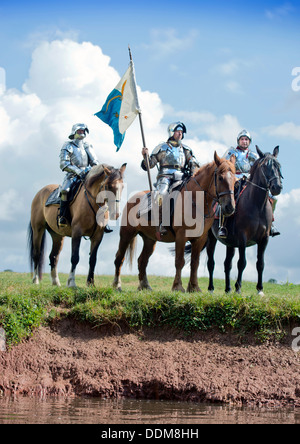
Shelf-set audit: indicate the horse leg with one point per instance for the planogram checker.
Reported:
(126, 240)
(179, 262)
(230, 251)
(57, 245)
(147, 251)
(37, 252)
(95, 242)
(197, 247)
(260, 264)
(210, 249)
(76, 240)
(242, 262)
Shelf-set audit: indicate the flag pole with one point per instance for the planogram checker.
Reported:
(146, 156)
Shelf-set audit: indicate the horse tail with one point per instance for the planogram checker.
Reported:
(33, 261)
(130, 252)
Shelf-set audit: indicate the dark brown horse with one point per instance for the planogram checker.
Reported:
(215, 181)
(101, 179)
(251, 222)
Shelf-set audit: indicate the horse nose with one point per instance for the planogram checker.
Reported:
(229, 209)
(276, 189)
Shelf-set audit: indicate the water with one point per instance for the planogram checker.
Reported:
(25, 410)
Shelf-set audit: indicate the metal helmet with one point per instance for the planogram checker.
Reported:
(76, 127)
(176, 126)
(244, 133)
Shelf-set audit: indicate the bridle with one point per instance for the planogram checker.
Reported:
(216, 198)
(218, 195)
(267, 180)
(102, 188)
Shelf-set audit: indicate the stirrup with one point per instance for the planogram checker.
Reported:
(222, 233)
(62, 222)
(162, 230)
(274, 232)
(107, 229)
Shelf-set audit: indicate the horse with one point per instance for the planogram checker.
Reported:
(102, 179)
(215, 181)
(251, 222)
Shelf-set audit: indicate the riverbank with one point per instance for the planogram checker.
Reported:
(150, 345)
(73, 359)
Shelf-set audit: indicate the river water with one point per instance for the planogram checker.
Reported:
(26, 410)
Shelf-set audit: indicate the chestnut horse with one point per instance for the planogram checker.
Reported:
(215, 181)
(102, 179)
(251, 222)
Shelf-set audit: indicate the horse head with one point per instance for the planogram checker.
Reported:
(224, 183)
(105, 184)
(113, 188)
(271, 170)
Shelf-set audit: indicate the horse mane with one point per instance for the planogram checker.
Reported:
(97, 172)
(259, 162)
(222, 168)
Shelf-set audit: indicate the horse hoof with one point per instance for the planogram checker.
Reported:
(180, 289)
(71, 284)
(193, 290)
(56, 283)
(35, 281)
(261, 293)
(145, 287)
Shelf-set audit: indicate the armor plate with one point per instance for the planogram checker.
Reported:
(244, 160)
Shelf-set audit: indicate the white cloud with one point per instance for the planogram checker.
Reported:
(166, 42)
(2, 80)
(287, 130)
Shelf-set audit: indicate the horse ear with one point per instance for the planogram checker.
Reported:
(276, 151)
(107, 170)
(123, 168)
(260, 153)
(232, 159)
(217, 159)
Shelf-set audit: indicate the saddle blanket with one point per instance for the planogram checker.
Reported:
(54, 198)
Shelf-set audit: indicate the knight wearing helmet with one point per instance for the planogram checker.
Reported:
(173, 160)
(245, 158)
(76, 159)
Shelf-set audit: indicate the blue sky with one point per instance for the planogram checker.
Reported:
(218, 66)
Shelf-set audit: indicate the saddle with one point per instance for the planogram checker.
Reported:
(145, 205)
(54, 198)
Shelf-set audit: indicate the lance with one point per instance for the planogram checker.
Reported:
(146, 156)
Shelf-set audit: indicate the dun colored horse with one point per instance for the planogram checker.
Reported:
(251, 222)
(215, 181)
(83, 211)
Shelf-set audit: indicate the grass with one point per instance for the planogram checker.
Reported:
(24, 307)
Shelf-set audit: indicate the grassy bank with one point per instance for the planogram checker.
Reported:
(23, 307)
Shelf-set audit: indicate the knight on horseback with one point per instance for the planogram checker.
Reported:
(175, 160)
(245, 158)
(76, 159)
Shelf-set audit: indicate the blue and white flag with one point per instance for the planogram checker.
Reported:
(121, 106)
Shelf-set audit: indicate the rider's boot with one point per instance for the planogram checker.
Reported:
(62, 220)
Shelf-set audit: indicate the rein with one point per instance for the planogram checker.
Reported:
(215, 199)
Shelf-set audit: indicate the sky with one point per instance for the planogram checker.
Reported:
(217, 66)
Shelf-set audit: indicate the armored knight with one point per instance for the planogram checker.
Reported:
(76, 159)
(245, 158)
(174, 159)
